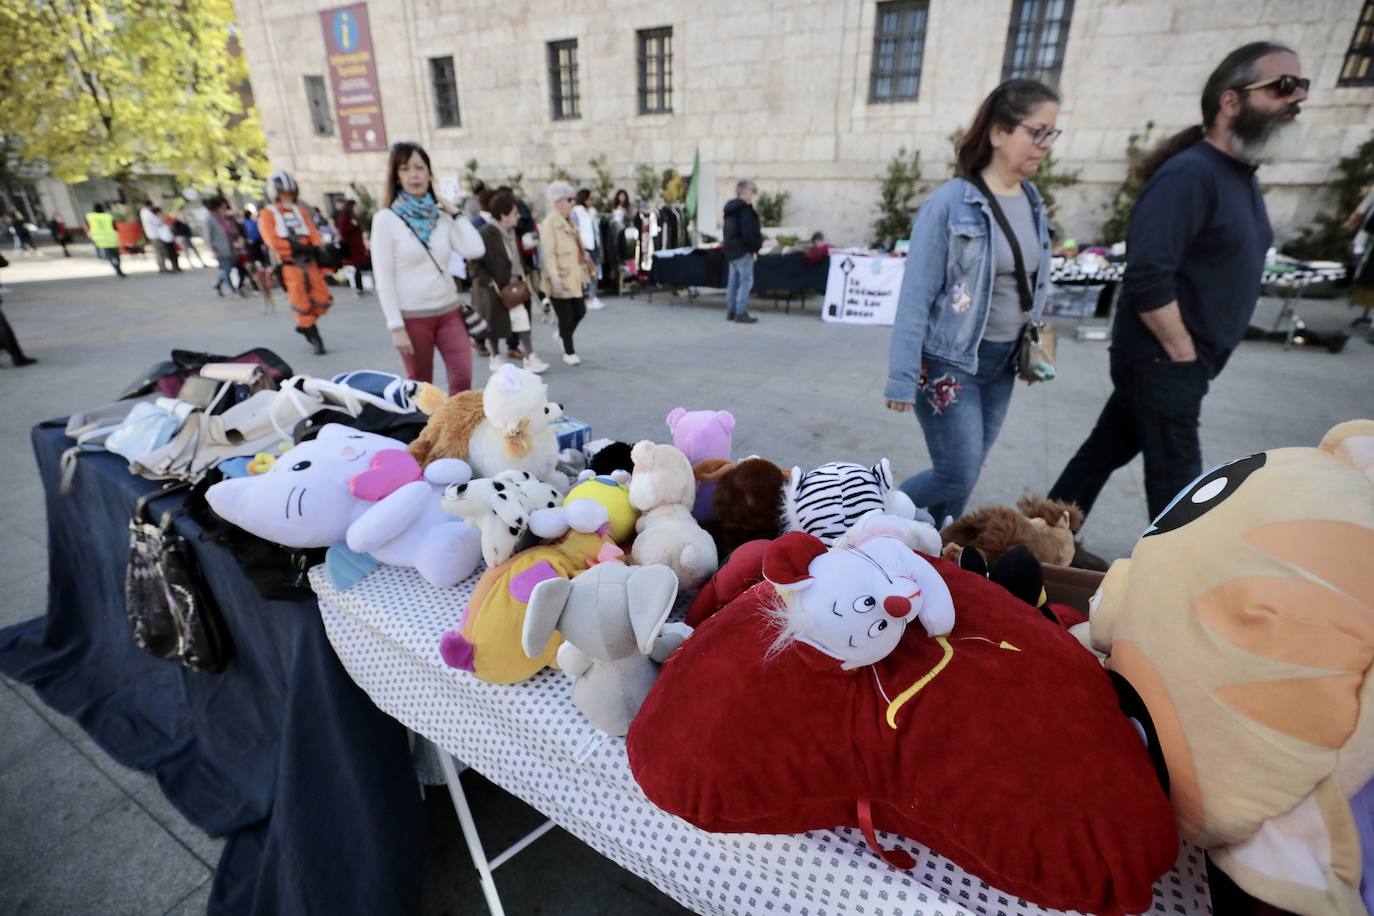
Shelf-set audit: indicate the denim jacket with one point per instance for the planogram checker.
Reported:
(947, 288)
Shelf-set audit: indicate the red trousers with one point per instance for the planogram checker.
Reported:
(307, 291)
(450, 335)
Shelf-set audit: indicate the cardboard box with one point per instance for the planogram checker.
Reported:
(572, 433)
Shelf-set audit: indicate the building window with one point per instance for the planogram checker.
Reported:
(899, 41)
(319, 106)
(656, 71)
(563, 80)
(1359, 60)
(445, 87)
(1035, 40)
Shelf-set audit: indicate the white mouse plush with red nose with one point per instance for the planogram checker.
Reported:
(854, 602)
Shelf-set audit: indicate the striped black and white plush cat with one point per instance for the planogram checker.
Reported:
(827, 501)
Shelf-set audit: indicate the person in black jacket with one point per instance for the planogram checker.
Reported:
(743, 239)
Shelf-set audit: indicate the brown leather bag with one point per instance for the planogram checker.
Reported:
(514, 294)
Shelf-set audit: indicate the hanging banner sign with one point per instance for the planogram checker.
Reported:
(353, 77)
(862, 289)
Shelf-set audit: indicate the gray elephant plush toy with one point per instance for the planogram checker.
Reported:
(614, 639)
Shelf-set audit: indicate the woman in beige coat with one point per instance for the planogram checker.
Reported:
(565, 266)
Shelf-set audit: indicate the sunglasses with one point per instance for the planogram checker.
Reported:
(1042, 136)
(1284, 86)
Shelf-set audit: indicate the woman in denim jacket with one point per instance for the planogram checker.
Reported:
(959, 318)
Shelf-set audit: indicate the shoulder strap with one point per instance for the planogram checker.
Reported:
(442, 272)
(1022, 284)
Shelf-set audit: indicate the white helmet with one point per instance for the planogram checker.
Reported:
(278, 182)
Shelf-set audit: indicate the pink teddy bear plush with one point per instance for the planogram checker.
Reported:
(702, 434)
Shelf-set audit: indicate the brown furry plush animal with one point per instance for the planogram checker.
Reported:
(447, 433)
(747, 501)
(1045, 526)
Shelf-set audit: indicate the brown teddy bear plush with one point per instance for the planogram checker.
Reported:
(747, 502)
(447, 433)
(1046, 526)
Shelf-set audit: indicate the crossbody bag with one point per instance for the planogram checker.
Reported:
(1035, 355)
(476, 324)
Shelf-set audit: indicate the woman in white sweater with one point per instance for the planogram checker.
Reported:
(411, 241)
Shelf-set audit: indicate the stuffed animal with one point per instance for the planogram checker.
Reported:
(824, 502)
(514, 511)
(1043, 525)
(365, 490)
(853, 603)
(701, 434)
(1244, 621)
(612, 620)
(614, 496)
(1000, 746)
(505, 427)
(747, 501)
(488, 641)
(662, 489)
(612, 456)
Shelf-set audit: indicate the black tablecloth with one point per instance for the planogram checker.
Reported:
(706, 267)
(282, 753)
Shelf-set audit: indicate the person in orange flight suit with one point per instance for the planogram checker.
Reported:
(295, 243)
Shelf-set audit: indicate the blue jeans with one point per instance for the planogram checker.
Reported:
(960, 414)
(738, 286)
(111, 255)
(226, 272)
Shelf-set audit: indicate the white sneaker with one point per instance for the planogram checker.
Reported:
(534, 364)
(572, 359)
(595, 304)
(495, 362)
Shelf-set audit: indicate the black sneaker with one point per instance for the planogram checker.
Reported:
(729, 316)
(24, 361)
(746, 318)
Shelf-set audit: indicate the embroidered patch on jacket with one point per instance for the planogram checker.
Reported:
(942, 393)
(960, 300)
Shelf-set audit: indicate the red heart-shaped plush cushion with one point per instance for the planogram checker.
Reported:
(390, 470)
(1012, 758)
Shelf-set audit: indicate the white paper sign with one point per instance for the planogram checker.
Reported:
(862, 289)
(449, 189)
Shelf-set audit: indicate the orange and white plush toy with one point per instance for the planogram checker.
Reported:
(1244, 620)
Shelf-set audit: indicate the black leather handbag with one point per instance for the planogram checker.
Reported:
(171, 612)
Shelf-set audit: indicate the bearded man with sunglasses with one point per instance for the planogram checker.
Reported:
(1195, 254)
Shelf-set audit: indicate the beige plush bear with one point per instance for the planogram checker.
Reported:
(663, 489)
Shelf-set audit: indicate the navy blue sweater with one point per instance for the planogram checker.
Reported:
(1198, 234)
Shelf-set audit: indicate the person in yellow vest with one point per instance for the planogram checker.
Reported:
(101, 230)
(295, 243)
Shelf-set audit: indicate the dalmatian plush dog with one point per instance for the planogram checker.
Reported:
(515, 509)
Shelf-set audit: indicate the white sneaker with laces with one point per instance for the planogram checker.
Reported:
(496, 362)
(572, 359)
(595, 304)
(534, 364)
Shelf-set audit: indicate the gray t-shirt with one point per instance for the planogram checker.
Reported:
(1005, 317)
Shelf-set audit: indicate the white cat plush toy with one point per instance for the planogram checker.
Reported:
(358, 488)
(854, 603)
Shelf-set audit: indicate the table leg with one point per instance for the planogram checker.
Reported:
(479, 858)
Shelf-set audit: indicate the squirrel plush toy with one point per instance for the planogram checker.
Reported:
(1046, 526)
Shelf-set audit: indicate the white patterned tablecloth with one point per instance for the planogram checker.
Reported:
(529, 739)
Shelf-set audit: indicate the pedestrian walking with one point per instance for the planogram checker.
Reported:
(589, 232)
(23, 238)
(153, 227)
(60, 235)
(257, 261)
(412, 237)
(977, 275)
(181, 234)
(566, 266)
(1195, 251)
(355, 247)
(100, 229)
(742, 239)
(290, 235)
(220, 234)
(501, 268)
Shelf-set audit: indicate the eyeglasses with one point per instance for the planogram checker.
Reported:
(1285, 85)
(1042, 136)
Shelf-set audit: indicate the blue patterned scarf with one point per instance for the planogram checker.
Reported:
(420, 213)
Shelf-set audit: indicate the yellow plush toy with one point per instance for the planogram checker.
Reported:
(615, 497)
(1244, 620)
(487, 643)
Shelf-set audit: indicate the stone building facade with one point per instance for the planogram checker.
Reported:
(783, 91)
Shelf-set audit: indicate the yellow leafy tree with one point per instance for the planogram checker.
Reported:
(123, 88)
